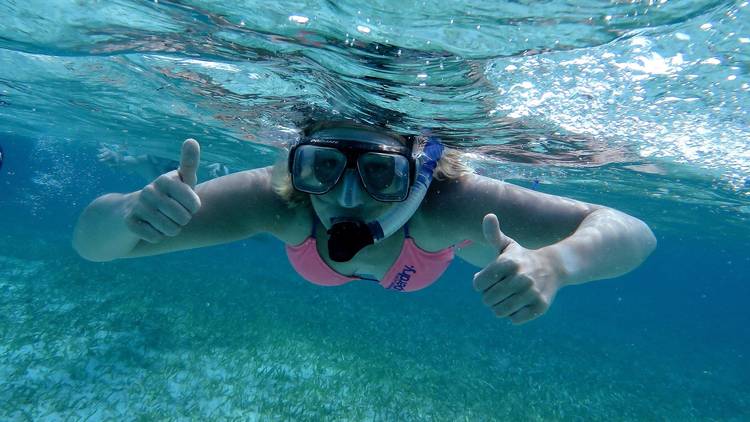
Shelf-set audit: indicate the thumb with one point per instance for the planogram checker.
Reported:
(189, 159)
(495, 237)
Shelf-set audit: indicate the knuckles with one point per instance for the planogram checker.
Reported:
(512, 265)
(148, 193)
(502, 268)
(488, 299)
(164, 179)
(132, 223)
(544, 304)
(527, 295)
(183, 220)
(173, 231)
(194, 205)
(525, 281)
(149, 189)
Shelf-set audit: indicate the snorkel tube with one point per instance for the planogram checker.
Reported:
(347, 238)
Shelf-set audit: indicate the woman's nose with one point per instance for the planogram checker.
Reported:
(350, 195)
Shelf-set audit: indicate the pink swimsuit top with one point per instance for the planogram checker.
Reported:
(414, 268)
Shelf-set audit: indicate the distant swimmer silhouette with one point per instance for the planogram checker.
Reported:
(149, 166)
(1, 156)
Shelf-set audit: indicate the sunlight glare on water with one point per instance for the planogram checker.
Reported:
(655, 87)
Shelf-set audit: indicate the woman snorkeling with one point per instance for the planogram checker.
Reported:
(355, 202)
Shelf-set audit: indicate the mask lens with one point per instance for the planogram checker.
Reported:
(317, 169)
(385, 176)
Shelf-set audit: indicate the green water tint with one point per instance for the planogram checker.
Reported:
(123, 342)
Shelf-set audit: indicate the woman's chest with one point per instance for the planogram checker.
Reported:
(373, 261)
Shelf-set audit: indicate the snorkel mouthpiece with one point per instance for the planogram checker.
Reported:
(347, 238)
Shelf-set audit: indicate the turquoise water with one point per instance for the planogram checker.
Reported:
(640, 106)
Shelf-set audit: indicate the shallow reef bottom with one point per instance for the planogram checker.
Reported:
(152, 341)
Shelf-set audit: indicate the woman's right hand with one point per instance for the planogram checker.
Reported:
(166, 205)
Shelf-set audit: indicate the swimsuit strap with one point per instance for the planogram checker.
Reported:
(406, 230)
(463, 244)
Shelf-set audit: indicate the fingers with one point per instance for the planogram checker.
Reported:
(144, 230)
(494, 273)
(189, 158)
(521, 306)
(179, 192)
(514, 303)
(503, 290)
(155, 202)
(527, 313)
(163, 208)
(160, 222)
(495, 237)
(514, 297)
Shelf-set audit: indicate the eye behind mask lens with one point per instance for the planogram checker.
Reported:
(327, 169)
(385, 176)
(379, 175)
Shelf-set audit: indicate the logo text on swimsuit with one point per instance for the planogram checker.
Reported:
(399, 282)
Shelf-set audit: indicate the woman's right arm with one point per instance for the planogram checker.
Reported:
(169, 214)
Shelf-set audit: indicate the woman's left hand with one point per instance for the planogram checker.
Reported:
(520, 283)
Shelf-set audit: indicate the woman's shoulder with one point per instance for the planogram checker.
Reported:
(433, 225)
(449, 193)
(453, 209)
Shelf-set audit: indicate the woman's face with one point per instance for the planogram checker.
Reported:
(348, 200)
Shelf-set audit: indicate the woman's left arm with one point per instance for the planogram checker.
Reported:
(547, 242)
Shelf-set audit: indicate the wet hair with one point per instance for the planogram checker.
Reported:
(451, 166)
(348, 124)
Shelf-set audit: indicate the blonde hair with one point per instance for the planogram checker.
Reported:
(451, 165)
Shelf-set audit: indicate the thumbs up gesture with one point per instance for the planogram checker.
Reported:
(520, 283)
(166, 205)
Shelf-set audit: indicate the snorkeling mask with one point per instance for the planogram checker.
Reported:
(386, 168)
